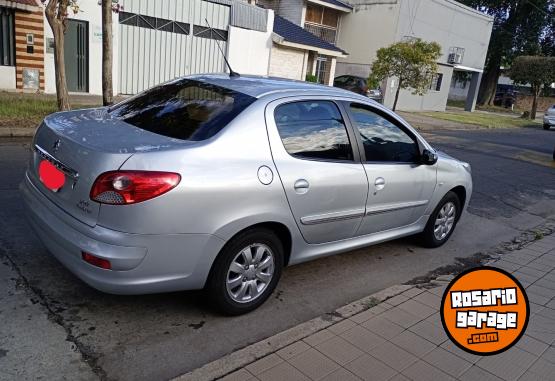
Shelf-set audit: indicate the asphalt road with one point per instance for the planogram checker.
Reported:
(161, 336)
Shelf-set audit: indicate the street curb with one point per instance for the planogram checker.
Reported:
(17, 132)
(238, 359)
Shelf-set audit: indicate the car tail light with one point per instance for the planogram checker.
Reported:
(96, 261)
(130, 187)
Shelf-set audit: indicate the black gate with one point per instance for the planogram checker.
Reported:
(76, 44)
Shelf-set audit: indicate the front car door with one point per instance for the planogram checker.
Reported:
(319, 166)
(400, 188)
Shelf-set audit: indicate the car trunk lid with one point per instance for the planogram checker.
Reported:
(83, 144)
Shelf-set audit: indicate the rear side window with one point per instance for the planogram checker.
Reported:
(184, 109)
(313, 130)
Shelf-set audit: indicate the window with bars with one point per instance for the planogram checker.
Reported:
(435, 85)
(7, 39)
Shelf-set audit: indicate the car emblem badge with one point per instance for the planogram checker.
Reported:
(56, 146)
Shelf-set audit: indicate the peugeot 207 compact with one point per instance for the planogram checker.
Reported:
(219, 182)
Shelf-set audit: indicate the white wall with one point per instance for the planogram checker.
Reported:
(90, 11)
(249, 50)
(288, 62)
(7, 77)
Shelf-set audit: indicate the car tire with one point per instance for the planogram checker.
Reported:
(431, 236)
(546, 126)
(224, 286)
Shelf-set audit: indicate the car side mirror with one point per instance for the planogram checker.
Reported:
(428, 157)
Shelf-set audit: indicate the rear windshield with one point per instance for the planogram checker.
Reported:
(184, 109)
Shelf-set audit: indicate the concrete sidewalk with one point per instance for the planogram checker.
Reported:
(402, 337)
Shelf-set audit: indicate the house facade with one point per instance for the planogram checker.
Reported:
(462, 32)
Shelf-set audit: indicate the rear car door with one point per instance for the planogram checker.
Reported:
(319, 167)
(400, 188)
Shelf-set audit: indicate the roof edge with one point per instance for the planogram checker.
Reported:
(22, 7)
(282, 41)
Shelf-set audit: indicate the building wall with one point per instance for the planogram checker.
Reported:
(292, 10)
(249, 51)
(432, 100)
(90, 11)
(25, 23)
(288, 62)
(7, 77)
(363, 32)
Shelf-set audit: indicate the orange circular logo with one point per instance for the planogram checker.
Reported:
(485, 311)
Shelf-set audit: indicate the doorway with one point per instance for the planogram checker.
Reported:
(76, 56)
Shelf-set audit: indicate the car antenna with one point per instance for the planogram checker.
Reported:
(232, 73)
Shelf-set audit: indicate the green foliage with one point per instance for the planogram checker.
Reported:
(535, 70)
(311, 78)
(411, 62)
(372, 82)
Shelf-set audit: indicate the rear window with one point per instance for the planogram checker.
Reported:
(184, 109)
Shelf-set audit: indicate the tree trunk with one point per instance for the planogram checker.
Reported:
(107, 53)
(53, 12)
(397, 95)
(536, 92)
(488, 86)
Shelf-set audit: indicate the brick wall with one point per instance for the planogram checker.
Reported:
(524, 102)
(287, 63)
(29, 22)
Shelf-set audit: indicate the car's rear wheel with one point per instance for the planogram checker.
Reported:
(246, 271)
(442, 221)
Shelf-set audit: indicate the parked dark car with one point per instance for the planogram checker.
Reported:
(357, 85)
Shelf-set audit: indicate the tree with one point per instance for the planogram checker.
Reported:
(412, 62)
(56, 13)
(518, 29)
(535, 70)
(107, 53)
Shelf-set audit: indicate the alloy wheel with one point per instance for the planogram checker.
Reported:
(445, 220)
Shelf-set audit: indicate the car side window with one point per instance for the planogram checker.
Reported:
(383, 140)
(313, 130)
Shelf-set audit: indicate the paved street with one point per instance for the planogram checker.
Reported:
(163, 336)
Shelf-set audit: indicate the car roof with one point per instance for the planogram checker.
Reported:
(260, 86)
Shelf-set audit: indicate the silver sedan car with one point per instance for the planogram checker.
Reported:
(219, 183)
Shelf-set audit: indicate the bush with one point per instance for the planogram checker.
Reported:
(311, 78)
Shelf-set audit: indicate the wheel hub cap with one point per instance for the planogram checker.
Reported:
(250, 273)
(445, 221)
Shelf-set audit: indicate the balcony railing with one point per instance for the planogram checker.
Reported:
(325, 33)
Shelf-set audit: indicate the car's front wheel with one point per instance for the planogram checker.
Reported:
(442, 221)
(246, 271)
(546, 126)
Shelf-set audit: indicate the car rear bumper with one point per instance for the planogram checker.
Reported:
(141, 263)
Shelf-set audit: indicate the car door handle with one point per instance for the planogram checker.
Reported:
(301, 186)
(379, 183)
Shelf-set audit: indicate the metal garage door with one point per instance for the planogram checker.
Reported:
(164, 39)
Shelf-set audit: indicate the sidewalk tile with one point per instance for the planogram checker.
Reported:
(362, 338)
(551, 304)
(368, 314)
(401, 317)
(396, 300)
(412, 292)
(531, 252)
(263, 364)
(547, 284)
(451, 347)
(509, 365)
(529, 344)
(399, 377)
(526, 278)
(531, 271)
(547, 313)
(536, 265)
(478, 374)
(313, 364)
(370, 368)
(541, 328)
(549, 355)
(506, 265)
(342, 326)
(539, 246)
(447, 362)
(283, 371)
(530, 376)
(413, 343)
(240, 375)
(535, 308)
(428, 299)
(519, 258)
(438, 291)
(394, 356)
(422, 371)
(341, 374)
(429, 332)
(419, 309)
(544, 369)
(293, 350)
(383, 327)
(540, 290)
(435, 319)
(339, 350)
(319, 337)
(537, 298)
